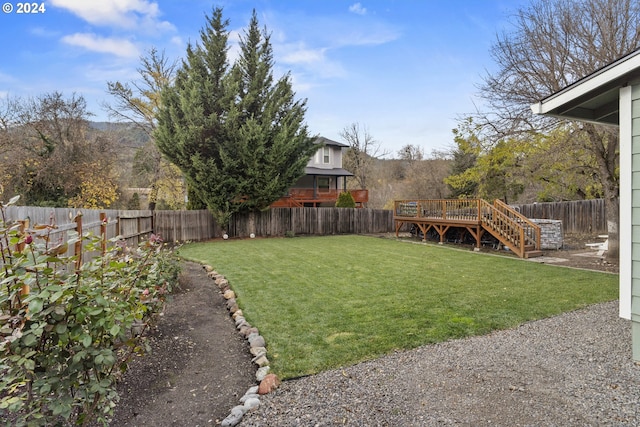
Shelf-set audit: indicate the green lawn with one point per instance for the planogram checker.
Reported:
(325, 302)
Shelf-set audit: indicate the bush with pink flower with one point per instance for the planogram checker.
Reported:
(68, 333)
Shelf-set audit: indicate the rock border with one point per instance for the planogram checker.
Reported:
(266, 381)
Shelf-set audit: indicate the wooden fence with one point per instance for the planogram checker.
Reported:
(181, 226)
(580, 216)
(583, 216)
(133, 226)
(314, 221)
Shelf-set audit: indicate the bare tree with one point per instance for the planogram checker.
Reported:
(362, 153)
(553, 44)
(54, 156)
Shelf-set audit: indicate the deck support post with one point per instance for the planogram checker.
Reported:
(476, 234)
(442, 230)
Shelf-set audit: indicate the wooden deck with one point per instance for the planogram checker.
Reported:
(308, 197)
(476, 216)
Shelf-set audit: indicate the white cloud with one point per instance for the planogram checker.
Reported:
(119, 13)
(43, 32)
(358, 9)
(94, 43)
(301, 55)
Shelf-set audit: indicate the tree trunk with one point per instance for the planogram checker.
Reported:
(604, 144)
(613, 218)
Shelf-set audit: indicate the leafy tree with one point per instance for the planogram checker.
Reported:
(462, 182)
(138, 102)
(345, 200)
(235, 132)
(134, 202)
(553, 44)
(562, 167)
(544, 167)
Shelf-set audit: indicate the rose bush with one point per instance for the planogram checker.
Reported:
(68, 333)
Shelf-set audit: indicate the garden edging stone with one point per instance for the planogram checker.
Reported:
(267, 382)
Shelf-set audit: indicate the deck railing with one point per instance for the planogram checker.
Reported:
(297, 197)
(443, 209)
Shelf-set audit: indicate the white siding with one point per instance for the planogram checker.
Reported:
(335, 158)
(630, 216)
(625, 203)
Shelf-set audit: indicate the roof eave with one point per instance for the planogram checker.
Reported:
(612, 76)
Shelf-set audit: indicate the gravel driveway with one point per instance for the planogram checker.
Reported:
(571, 370)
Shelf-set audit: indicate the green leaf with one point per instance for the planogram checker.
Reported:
(79, 356)
(86, 340)
(29, 340)
(61, 328)
(115, 330)
(29, 364)
(96, 311)
(35, 306)
(56, 296)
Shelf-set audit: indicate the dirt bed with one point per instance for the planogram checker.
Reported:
(199, 365)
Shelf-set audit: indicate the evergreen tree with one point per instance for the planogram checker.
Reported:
(238, 136)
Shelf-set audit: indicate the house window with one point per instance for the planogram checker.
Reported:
(325, 155)
(323, 183)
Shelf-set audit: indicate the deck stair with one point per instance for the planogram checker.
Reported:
(477, 216)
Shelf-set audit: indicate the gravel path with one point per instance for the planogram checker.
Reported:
(571, 370)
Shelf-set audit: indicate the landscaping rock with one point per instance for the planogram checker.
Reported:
(262, 373)
(244, 330)
(242, 324)
(234, 418)
(229, 295)
(268, 384)
(256, 351)
(247, 396)
(237, 313)
(256, 340)
(252, 330)
(252, 403)
(261, 360)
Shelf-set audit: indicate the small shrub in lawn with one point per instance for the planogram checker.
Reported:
(289, 233)
(67, 333)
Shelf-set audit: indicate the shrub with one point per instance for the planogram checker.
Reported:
(67, 333)
(345, 200)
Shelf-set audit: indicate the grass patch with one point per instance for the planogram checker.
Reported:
(326, 302)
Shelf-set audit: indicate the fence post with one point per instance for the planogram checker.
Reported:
(24, 225)
(103, 233)
(78, 246)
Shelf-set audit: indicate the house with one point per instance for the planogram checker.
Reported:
(323, 180)
(611, 95)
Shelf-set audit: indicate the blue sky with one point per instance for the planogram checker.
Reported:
(403, 69)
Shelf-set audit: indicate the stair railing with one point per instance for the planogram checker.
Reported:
(531, 229)
(503, 227)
